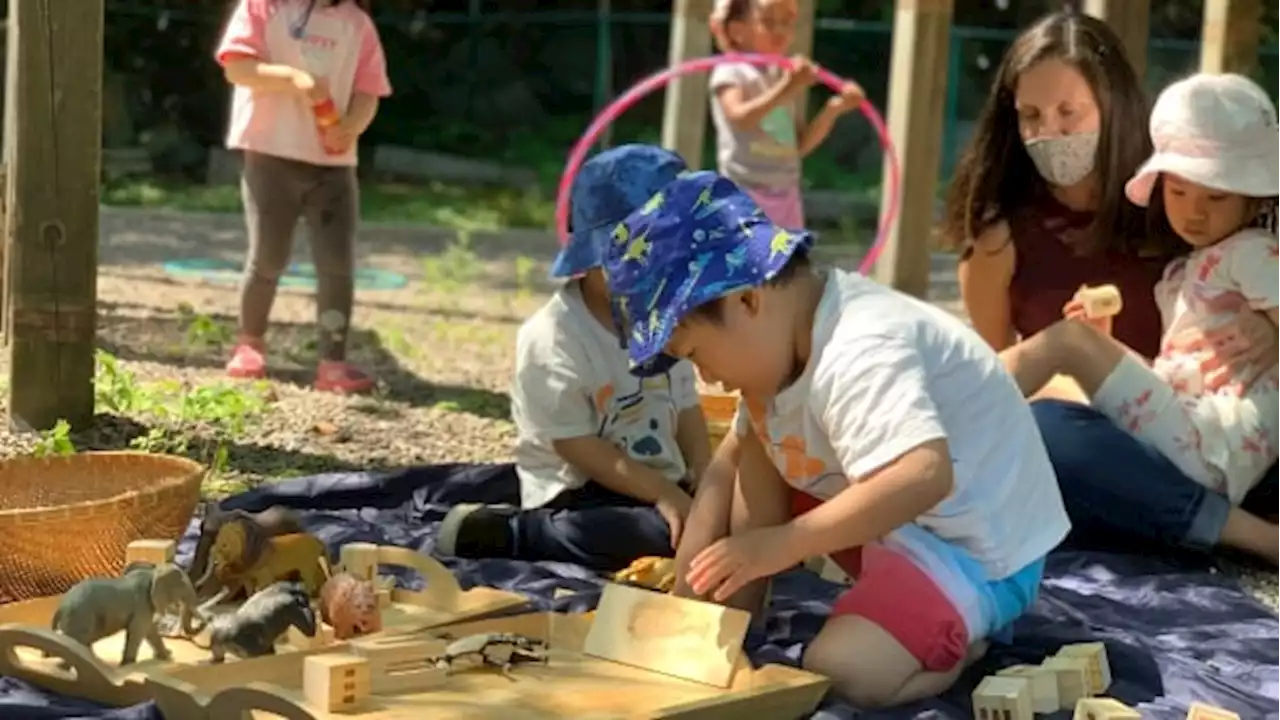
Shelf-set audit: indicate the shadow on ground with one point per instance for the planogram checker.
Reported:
(202, 341)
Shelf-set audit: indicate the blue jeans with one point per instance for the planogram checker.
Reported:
(1118, 488)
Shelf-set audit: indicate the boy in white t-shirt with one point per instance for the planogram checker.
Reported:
(605, 460)
(889, 419)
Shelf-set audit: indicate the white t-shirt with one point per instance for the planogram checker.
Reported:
(889, 373)
(573, 379)
(762, 157)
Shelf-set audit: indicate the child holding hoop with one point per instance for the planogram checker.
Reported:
(1211, 184)
(891, 416)
(290, 61)
(759, 139)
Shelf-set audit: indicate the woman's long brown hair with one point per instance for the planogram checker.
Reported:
(996, 177)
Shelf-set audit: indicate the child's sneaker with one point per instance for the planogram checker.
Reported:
(247, 362)
(477, 531)
(340, 377)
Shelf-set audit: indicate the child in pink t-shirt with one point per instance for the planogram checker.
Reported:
(292, 62)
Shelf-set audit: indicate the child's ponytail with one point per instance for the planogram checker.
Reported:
(723, 13)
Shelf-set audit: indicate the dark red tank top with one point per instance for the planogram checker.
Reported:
(1049, 270)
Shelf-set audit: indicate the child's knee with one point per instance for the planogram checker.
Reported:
(866, 665)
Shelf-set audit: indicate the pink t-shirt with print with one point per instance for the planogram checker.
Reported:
(338, 42)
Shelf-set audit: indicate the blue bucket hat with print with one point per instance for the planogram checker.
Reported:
(608, 187)
(700, 238)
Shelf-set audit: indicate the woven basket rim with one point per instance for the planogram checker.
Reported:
(192, 470)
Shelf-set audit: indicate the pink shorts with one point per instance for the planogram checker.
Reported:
(783, 206)
(896, 594)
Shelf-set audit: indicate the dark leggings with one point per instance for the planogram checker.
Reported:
(277, 192)
(1118, 489)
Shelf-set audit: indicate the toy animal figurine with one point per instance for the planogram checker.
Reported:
(252, 629)
(255, 529)
(350, 606)
(101, 607)
(297, 556)
(655, 573)
(500, 650)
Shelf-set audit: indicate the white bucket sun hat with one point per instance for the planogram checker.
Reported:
(1218, 131)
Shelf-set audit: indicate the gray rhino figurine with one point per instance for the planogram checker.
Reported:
(98, 608)
(253, 628)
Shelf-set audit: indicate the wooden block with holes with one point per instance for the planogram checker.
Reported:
(1001, 697)
(1201, 711)
(360, 559)
(152, 551)
(688, 639)
(1072, 674)
(1104, 709)
(1099, 675)
(1044, 686)
(337, 682)
(400, 666)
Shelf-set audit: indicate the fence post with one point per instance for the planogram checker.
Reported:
(1131, 20)
(684, 113)
(604, 65)
(1229, 37)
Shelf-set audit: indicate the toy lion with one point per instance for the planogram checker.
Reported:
(655, 573)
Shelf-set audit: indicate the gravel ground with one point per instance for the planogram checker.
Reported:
(442, 348)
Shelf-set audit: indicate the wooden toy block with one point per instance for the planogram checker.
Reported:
(1003, 698)
(1072, 674)
(401, 667)
(1101, 301)
(1044, 686)
(1201, 711)
(152, 551)
(337, 682)
(1099, 667)
(1104, 709)
(324, 637)
(685, 638)
(384, 598)
(360, 559)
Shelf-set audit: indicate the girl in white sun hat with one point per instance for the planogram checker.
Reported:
(1212, 182)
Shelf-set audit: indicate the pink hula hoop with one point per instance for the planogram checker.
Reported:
(660, 79)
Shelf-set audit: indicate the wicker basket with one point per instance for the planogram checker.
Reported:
(64, 519)
(719, 409)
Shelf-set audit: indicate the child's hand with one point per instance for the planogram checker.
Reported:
(339, 138)
(803, 72)
(1074, 310)
(849, 98)
(319, 91)
(731, 563)
(1235, 354)
(303, 81)
(673, 506)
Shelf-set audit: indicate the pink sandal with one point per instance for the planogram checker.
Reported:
(340, 377)
(247, 362)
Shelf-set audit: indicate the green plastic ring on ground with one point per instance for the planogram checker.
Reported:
(297, 275)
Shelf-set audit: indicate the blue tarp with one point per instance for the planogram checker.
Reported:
(1176, 630)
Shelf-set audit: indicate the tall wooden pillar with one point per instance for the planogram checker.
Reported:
(803, 45)
(1131, 20)
(55, 167)
(1230, 35)
(685, 113)
(917, 97)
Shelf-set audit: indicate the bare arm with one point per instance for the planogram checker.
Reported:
(746, 114)
(604, 463)
(985, 277)
(694, 442)
(814, 133)
(266, 77)
(360, 114)
(709, 516)
(875, 505)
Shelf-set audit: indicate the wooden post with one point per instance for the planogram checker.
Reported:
(917, 96)
(1131, 21)
(57, 148)
(1229, 38)
(686, 109)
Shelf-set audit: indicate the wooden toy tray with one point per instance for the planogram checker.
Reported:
(401, 684)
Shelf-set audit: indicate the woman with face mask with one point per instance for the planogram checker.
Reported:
(1037, 209)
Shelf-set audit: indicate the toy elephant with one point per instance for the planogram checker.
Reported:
(252, 629)
(241, 548)
(98, 608)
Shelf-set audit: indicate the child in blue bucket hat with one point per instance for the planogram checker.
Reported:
(870, 421)
(605, 460)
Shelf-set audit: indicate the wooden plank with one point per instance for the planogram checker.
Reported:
(56, 161)
(1131, 20)
(802, 44)
(688, 639)
(917, 96)
(685, 110)
(1230, 35)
